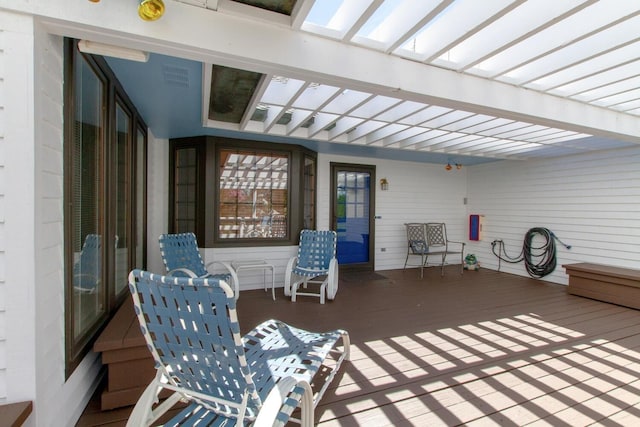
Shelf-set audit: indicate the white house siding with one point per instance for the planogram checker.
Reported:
(58, 399)
(418, 192)
(157, 198)
(590, 201)
(278, 256)
(17, 279)
(31, 229)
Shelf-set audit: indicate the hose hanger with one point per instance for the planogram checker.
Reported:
(539, 260)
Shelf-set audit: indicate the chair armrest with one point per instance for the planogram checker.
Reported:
(456, 243)
(85, 282)
(234, 276)
(147, 410)
(281, 402)
(186, 271)
(287, 275)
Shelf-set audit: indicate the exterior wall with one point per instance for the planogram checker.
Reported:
(253, 279)
(590, 201)
(157, 199)
(32, 364)
(17, 279)
(60, 401)
(418, 192)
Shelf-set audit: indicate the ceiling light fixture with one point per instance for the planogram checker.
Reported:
(150, 10)
(96, 48)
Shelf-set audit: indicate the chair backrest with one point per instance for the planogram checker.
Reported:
(180, 250)
(278, 225)
(416, 237)
(88, 269)
(191, 327)
(316, 249)
(436, 234)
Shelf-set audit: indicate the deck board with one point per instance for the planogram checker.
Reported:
(484, 348)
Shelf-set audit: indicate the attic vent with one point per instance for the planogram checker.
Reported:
(175, 76)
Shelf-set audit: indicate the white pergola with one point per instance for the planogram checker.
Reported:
(499, 79)
(583, 56)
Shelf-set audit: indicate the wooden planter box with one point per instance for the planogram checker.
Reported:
(617, 285)
(129, 363)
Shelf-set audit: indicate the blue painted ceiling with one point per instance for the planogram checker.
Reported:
(167, 92)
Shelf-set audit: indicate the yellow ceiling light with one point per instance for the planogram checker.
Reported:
(150, 10)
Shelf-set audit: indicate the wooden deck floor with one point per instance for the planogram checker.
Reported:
(485, 348)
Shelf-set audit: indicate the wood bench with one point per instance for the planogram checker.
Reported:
(617, 285)
(15, 414)
(129, 363)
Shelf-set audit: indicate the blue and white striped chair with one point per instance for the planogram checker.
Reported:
(182, 258)
(315, 263)
(87, 271)
(191, 327)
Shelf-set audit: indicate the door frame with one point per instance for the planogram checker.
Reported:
(335, 167)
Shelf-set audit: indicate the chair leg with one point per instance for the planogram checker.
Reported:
(323, 291)
(332, 279)
(444, 257)
(425, 259)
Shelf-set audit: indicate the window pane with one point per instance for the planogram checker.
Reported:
(185, 190)
(104, 206)
(253, 194)
(86, 210)
(123, 207)
(309, 220)
(140, 194)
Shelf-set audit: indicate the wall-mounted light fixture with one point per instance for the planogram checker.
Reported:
(384, 184)
(96, 48)
(448, 167)
(150, 10)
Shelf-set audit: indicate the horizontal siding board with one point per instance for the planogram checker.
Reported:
(589, 201)
(278, 256)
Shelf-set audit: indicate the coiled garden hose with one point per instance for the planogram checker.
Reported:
(539, 260)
